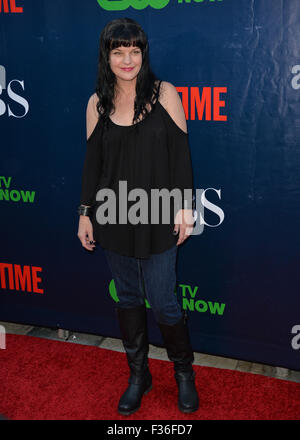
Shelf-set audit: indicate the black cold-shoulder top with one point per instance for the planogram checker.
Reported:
(154, 154)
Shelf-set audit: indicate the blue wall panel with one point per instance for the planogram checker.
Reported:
(239, 278)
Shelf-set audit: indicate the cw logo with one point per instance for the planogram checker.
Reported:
(121, 5)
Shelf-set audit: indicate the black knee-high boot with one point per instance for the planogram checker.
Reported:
(134, 332)
(179, 350)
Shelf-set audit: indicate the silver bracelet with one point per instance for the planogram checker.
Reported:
(84, 210)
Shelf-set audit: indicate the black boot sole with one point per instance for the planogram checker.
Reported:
(187, 410)
(127, 413)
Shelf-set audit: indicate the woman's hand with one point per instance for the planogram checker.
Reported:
(184, 222)
(85, 232)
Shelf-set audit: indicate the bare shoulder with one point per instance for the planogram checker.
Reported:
(92, 115)
(92, 102)
(168, 94)
(171, 101)
(166, 90)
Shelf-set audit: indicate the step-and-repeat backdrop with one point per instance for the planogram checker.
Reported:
(236, 66)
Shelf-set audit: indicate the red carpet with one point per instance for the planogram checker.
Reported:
(43, 379)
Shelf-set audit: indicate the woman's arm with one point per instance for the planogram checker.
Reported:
(180, 163)
(91, 115)
(93, 158)
(90, 173)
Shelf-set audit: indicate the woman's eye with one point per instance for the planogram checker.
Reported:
(118, 53)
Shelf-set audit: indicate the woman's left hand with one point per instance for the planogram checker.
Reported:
(184, 223)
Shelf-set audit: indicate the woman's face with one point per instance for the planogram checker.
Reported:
(126, 62)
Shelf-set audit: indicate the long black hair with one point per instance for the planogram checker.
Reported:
(124, 32)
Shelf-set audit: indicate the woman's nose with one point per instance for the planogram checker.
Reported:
(127, 58)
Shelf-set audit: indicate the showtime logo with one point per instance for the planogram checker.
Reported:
(121, 5)
(9, 6)
(22, 278)
(207, 105)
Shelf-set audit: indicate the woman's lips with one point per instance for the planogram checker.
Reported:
(127, 69)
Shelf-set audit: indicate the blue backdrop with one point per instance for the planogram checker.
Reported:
(239, 278)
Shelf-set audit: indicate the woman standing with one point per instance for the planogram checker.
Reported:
(136, 134)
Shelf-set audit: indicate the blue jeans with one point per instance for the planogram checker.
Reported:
(153, 278)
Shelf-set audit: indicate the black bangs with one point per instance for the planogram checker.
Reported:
(117, 42)
(126, 37)
(124, 32)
